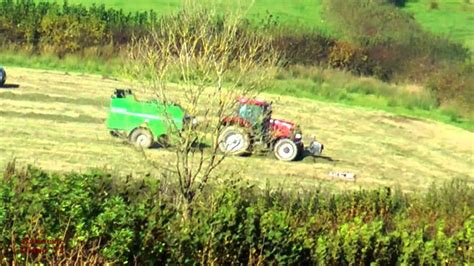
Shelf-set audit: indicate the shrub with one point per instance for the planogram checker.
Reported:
(391, 39)
(434, 5)
(103, 218)
(308, 48)
(68, 34)
(68, 28)
(344, 55)
(454, 86)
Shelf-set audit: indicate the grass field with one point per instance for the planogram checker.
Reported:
(453, 18)
(56, 121)
(303, 12)
(304, 82)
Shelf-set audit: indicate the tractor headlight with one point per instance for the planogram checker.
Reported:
(298, 136)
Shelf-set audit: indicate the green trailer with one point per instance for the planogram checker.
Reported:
(144, 122)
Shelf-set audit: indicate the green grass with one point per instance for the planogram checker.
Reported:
(71, 63)
(304, 12)
(336, 86)
(376, 101)
(312, 83)
(454, 19)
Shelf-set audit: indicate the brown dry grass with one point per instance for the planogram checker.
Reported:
(56, 121)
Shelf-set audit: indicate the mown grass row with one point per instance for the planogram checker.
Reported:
(398, 50)
(316, 83)
(100, 217)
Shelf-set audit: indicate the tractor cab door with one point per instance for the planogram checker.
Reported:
(251, 113)
(258, 117)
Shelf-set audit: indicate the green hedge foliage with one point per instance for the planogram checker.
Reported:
(139, 220)
(68, 28)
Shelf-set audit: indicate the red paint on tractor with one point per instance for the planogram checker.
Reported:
(282, 128)
(243, 100)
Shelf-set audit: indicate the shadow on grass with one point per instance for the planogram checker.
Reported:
(306, 154)
(195, 145)
(9, 86)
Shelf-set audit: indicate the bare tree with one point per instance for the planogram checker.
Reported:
(211, 59)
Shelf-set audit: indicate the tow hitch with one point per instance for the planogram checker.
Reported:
(315, 148)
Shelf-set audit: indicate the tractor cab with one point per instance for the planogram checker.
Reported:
(255, 112)
(258, 115)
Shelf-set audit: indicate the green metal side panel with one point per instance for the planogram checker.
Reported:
(126, 114)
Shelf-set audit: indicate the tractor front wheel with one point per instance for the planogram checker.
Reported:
(234, 140)
(286, 150)
(142, 138)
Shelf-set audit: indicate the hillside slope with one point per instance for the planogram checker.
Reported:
(445, 17)
(56, 121)
(449, 18)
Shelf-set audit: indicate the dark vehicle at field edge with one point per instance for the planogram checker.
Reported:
(3, 76)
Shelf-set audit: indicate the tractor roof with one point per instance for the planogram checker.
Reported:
(243, 100)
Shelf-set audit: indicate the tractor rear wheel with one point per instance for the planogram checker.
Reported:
(234, 140)
(142, 137)
(286, 150)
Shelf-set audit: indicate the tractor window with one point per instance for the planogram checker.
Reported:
(251, 113)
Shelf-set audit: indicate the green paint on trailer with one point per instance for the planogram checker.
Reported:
(127, 113)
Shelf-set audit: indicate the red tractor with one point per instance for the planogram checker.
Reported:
(252, 125)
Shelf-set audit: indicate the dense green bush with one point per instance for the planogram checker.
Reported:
(68, 28)
(104, 218)
(307, 48)
(454, 86)
(68, 34)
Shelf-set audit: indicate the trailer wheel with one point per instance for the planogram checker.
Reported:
(142, 137)
(286, 150)
(234, 140)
